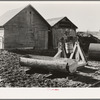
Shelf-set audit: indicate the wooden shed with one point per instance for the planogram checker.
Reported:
(58, 28)
(23, 28)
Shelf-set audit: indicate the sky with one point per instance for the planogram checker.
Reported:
(84, 14)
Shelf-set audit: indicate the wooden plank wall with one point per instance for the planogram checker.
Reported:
(26, 29)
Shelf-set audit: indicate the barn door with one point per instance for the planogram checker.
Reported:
(1, 42)
(50, 40)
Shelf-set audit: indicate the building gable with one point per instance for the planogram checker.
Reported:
(9, 15)
(26, 29)
(61, 21)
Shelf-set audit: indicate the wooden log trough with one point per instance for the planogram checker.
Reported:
(64, 65)
(57, 63)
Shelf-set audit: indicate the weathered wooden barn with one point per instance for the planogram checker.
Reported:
(23, 27)
(58, 28)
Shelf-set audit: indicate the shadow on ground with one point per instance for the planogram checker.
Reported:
(87, 70)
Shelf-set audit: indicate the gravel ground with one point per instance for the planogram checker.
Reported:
(14, 75)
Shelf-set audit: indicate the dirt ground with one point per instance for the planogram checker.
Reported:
(14, 75)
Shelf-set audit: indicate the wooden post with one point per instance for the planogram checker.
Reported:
(78, 54)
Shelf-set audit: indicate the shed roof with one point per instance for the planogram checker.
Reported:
(91, 34)
(9, 15)
(54, 21)
(12, 13)
(95, 34)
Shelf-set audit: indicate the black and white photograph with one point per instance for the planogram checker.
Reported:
(45, 44)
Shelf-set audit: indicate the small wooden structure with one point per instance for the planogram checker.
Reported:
(75, 53)
(58, 29)
(24, 28)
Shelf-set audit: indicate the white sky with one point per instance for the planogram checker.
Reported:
(85, 15)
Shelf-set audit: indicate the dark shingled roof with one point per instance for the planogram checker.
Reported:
(54, 21)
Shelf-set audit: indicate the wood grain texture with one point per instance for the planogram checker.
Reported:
(26, 29)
